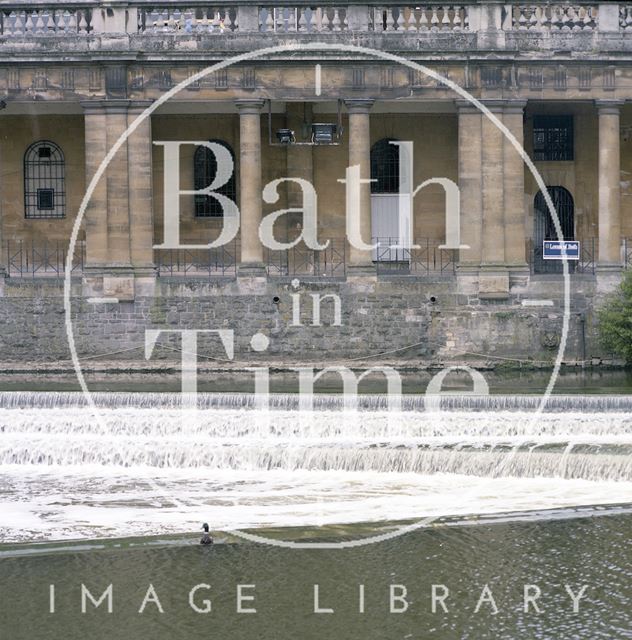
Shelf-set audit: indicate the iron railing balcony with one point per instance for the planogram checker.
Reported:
(29, 259)
(198, 263)
(34, 259)
(300, 260)
(586, 263)
(429, 258)
(626, 252)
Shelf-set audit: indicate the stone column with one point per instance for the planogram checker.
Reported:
(494, 276)
(139, 146)
(609, 189)
(515, 236)
(117, 180)
(360, 154)
(3, 249)
(95, 219)
(470, 186)
(109, 269)
(493, 192)
(491, 182)
(250, 198)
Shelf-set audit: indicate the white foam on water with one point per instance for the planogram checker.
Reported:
(92, 502)
(147, 467)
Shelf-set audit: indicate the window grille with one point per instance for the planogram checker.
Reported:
(552, 138)
(44, 181)
(204, 172)
(385, 167)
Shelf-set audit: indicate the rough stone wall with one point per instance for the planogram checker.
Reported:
(382, 317)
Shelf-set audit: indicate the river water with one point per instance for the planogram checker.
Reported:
(509, 497)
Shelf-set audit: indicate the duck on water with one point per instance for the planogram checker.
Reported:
(206, 538)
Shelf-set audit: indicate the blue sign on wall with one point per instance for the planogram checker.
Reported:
(552, 249)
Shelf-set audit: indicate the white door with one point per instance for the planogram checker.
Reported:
(390, 223)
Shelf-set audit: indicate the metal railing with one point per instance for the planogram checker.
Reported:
(626, 252)
(26, 259)
(300, 260)
(198, 263)
(428, 258)
(586, 263)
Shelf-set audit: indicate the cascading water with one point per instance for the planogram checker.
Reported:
(144, 462)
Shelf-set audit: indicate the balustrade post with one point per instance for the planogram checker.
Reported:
(490, 34)
(114, 20)
(608, 17)
(248, 18)
(358, 17)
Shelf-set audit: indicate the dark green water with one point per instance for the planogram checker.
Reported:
(598, 380)
(548, 552)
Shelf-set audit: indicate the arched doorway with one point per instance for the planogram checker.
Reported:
(544, 227)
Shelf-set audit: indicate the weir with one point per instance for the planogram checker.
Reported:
(145, 464)
(582, 437)
(367, 402)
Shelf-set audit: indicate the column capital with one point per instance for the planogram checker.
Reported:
(609, 107)
(140, 105)
(359, 105)
(249, 105)
(494, 105)
(515, 106)
(465, 106)
(106, 106)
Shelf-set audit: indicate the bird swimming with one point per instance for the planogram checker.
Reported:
(206, 538)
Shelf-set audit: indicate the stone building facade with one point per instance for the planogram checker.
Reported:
(75, 75)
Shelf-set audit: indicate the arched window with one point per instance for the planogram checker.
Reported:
(44, 181)
(385, 166)
(204, 171)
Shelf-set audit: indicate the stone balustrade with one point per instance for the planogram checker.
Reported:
(16, 22)
(554, 17)
(187, 20)
(303, 19)
(84, 26)
(419, 18)
(35, 18)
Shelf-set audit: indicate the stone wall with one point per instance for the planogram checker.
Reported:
(380, 320)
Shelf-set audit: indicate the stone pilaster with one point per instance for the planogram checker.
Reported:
(493, 192)
(491, 182)
(359, 137)
(514, 168)
(95, 220)
(252, 259)
(470, 186)
(117, 180)
(3, 249)
(493, 279)
(139, 146)
(609, 185)
(118, 219)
